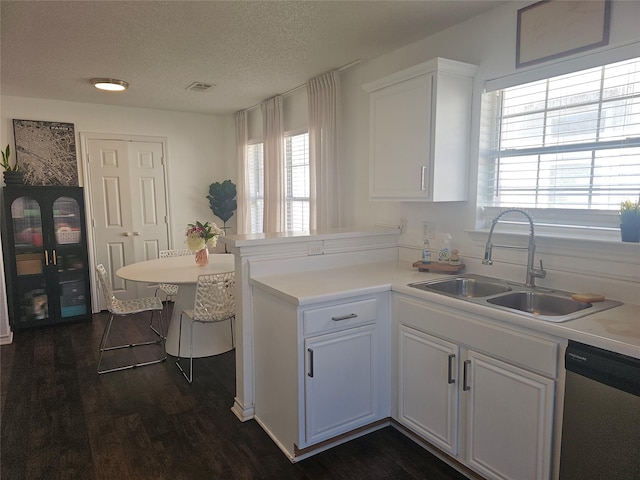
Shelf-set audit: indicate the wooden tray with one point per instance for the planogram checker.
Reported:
(436, 267)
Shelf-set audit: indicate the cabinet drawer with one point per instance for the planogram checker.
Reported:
(336, 317)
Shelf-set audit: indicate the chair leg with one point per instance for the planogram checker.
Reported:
(103, 340)
(191, 352)
(231, 320)
(104, 348)
(190, 376)
(160, 333)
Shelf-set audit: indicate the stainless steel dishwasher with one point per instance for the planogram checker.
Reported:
(601, 419)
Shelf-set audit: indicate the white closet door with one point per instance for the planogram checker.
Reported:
(128, 206)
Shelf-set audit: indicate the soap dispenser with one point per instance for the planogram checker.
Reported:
(426, 251)
(445, 251)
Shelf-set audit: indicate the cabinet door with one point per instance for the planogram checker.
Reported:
(69, 256)
(27, 275)
(340, 382)
(427, 393)
(509, 419)
(400, 140)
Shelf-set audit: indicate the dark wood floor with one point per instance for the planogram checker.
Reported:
(60, 420)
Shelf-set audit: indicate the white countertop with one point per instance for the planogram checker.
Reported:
(617, 329)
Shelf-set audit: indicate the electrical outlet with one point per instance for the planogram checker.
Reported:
(429, 230)
(316, 248)
(403, 225)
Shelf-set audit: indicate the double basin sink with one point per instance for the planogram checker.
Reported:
(536, 302)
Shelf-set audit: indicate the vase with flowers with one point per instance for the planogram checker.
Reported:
(200, 236)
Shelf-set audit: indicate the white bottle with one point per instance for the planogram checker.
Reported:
(426, 251)
(445, 251)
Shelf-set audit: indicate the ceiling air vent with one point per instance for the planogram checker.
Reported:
(199, 86)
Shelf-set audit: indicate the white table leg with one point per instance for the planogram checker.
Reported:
(208, 338)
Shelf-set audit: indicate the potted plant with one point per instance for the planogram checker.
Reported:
(222, 200)
(12, 176)
(630, 221)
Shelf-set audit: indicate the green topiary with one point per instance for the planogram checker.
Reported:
(222, 200)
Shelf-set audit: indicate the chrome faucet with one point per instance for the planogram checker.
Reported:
(532, 273)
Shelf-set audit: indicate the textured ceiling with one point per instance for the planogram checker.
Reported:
(249, 50)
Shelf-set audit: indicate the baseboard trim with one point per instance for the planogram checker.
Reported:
(331, 442)
(435, 451)
(7, 338)
(243, 413)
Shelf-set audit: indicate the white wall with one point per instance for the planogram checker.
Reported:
(488, 41)
(200, 151)
(201, 148)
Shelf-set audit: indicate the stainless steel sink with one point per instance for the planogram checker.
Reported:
(533, 302)
(538, 303)
(468, 285)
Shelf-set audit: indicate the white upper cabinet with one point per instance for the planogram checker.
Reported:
(419, 132)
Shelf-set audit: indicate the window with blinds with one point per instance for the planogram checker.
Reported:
(255, 171)
(296, 183)
(569, 143)
(297, 178)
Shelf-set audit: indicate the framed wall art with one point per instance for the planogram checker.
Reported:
(552, 28)
(46, 152)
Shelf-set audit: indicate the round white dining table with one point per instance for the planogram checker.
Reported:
(208, 338)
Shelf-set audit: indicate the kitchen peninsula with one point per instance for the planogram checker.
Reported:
(313, 305)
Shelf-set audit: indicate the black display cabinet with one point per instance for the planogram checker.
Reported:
(46, 264)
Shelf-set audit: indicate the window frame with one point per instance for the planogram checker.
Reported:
(289, 199)
(593, 222)
(257, 200)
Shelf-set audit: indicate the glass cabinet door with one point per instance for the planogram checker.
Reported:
(27, 218)
(69, 256)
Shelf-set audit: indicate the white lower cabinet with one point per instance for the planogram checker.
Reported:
(481, 393)
(321, 371)
(427, 361)
(340, 383)
(509, 414)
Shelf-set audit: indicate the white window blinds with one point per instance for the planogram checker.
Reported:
(255, 171)
(570, 142)
(297, 178)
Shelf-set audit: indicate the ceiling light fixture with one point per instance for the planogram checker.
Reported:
(110, 84)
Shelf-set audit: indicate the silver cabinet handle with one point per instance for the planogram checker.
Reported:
(450, 369)
(344, 317)
(310, 350)
(423, 170)
(126, 234)
(55, 257)
(465, 378)
(46, 257)
(136, 234)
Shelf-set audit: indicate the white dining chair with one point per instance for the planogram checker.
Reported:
(121, 308)
(214, 302)
(169, 289)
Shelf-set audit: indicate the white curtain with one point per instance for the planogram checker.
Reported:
(243, 218)
(324, 94)
(274, 175)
